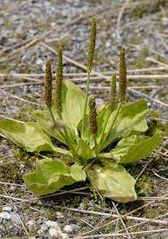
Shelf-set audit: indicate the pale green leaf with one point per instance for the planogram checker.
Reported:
(136, 147)
(49, 176)
(84, 152)
(131, 117)
(77, 172)
(26, 135)
(113, 182)
(29, 136)
(45, 121)
(73, 100)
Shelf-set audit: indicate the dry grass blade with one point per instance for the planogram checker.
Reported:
(124, 234)
(104, 77)
(122, 222)
(19, 98)
(119, 18)
(36, 201)
(125, 215)
(108, 214)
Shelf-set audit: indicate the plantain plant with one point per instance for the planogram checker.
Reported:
(96, 142)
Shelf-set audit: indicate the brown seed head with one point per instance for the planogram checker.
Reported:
(91, 46)
(92, 115)
(58, 82)
(113, 90)
(48, 84)
(122, 76)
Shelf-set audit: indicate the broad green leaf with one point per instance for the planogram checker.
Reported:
(73, 100)
(84, 152)
(45, 121)
(77, 172)
(28, 136)
(113, 182)
(86, 135)
(49, 176)
(131, 117)
(136, 147)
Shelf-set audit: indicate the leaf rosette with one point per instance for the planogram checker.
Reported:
(119, 137)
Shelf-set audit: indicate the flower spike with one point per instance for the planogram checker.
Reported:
(58, 83)
(48, 84)
(122, 76)
(92, 115)
(91, 46)
(113, 91)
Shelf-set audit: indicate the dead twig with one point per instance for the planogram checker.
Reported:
(122, 222)
(19, 98)
(119, 19)
(104, 77)
(124, 234)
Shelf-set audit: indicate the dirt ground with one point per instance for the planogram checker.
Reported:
(30, 32)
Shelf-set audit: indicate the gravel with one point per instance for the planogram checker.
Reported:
(69, 22)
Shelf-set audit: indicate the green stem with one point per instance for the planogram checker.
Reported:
(67, 138)
(95, 142)
(65, 131)
(86, 102)
(52, 116)
(118, 110)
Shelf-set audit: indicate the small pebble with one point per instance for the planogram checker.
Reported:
(53, 232)
(15, 218)
(5, 215)
(44, 227)
(59, 215)
(70, 228)
(52, 224)
(7, 209)
(39, 61)
(31, 224)
(64, 236)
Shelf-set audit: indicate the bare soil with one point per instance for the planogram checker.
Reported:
(30, 33)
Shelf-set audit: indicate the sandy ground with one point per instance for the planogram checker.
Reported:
(30, 32)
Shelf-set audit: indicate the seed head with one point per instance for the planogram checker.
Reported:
(113, 90)
(92, 115)
(48, 84)
(91, 46)
(58, 82)
(122, 76)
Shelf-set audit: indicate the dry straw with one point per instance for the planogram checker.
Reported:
(122, 76)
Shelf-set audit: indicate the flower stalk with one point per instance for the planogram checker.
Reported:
(122, 76)
(93, 119)
(89, 67)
